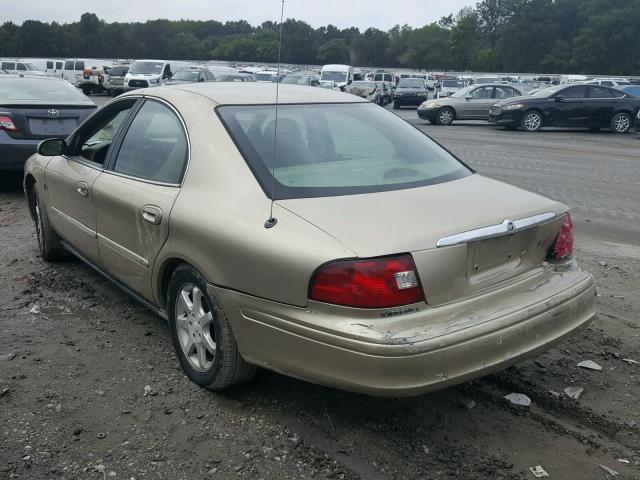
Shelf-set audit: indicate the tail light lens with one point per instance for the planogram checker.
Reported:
(6, 123)
(371, 283)
(562, 247)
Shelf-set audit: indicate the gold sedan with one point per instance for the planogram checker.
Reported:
(325, 239)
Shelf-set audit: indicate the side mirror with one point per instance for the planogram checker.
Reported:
(350, 81)
(468, 97)
(560, 98)
(202, 79)
(52, 147)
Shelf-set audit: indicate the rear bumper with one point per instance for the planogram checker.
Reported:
(448, 344)
(14, 153)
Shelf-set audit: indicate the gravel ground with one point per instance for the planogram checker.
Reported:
(90, 387)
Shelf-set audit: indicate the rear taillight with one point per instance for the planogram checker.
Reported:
(6, 123)
(562, 247)
(371, 283)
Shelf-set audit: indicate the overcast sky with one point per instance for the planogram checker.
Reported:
(342, 13)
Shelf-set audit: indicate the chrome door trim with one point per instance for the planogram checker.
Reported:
(119, 249)
(80, 225)
(507, 227)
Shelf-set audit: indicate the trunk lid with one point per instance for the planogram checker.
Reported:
(414, 220)
(40, 121)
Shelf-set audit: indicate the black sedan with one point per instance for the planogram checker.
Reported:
(32, 109)
(589, 106)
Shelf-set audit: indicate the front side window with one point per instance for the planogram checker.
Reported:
(482, 93)
(49, 64)
(154, 147)
(94, 141)
(505, 92)
(336, 149)
(59, 65)
(79, 65)
(68, 65)
(21, 67)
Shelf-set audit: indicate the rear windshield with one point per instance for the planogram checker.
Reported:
(39, 89)
(453, 83)
(336, 149)
(118, 71)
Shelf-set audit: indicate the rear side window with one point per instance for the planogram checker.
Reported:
(58, 65)
(574, 92)
(68, 65)
(8, 66)
(79, 65)
(49, 64)
(155, 146)
(336, 149)
(600, 92)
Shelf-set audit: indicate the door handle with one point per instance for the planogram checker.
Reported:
(82, 189)
(151, 214)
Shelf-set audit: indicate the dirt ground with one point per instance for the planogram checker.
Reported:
(90, 389)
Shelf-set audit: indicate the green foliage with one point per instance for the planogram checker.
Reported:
(568, 36)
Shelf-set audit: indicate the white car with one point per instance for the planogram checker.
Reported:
(150, 73)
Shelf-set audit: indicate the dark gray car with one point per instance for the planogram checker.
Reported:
(470, 103)
(32, 109)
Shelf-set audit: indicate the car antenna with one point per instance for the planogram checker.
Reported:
(271, 221)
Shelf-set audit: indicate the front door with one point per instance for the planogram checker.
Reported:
(477, 103)
(135, 195)
(70, 179)
(570, 107)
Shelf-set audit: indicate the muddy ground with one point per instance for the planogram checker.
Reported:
(90, 389)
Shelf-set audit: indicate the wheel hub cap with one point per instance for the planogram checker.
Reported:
(194, 326)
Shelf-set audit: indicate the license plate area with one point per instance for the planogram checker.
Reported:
(501, 257)
(52, 126)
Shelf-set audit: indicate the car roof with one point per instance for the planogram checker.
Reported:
(251, 93)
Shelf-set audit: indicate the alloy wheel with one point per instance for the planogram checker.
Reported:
(532, 121)
(194, 322)
(445, 117)
(621, 123)
(39, 227)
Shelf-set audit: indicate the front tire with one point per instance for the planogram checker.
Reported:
(201, 334)
(48, 241)
(531, 121)
(621, 123)
(86, 90)
(445, 116)
(396, 106)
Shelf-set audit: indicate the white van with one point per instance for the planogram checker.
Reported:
(73, 68)
(342, 75)
(20, 66)
(150, 73)
(572, 78)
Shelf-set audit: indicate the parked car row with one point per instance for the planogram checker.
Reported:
(570, 105)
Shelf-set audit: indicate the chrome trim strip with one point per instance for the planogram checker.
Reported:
(505, 228)
(119, 249)
(86, 230)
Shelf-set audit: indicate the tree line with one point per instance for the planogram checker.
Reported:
(568, 36)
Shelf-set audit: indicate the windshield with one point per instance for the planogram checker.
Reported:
(411, 83)
(453, 83)
(187, 75)
(146, 68)
(118, 71)
(547, 92)
(266, 77)
(233, 78)
(50, 91)
(363, 85)
(335, 76)
(336, 149)
(462, 93)
(296, 80)
(487, 80)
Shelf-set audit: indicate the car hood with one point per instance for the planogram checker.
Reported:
(415, 219)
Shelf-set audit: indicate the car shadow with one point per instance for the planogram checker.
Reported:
(11, 182)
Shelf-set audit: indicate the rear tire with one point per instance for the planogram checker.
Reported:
(48, 241)
(621, 123)
(531, 121)
(445, 116)
(201, 334)
(86, 90)
(396, 106)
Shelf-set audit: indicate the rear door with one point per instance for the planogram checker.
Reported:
(601, 105)
(135, 195)
(70, 179)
